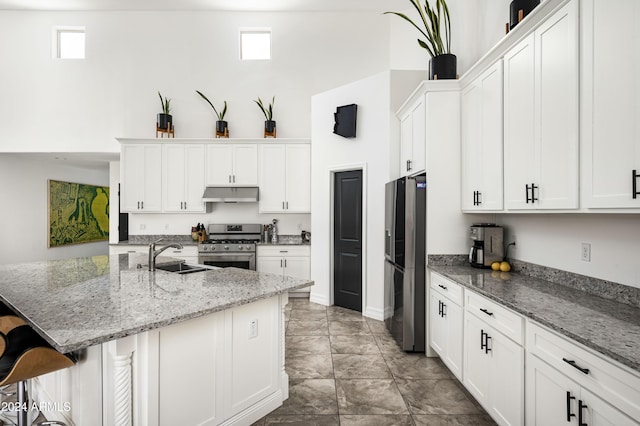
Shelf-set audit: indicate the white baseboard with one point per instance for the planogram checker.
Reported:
(374, 313)
(256, 411)
(319, 299)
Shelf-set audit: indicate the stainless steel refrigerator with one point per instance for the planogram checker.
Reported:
(405, 258)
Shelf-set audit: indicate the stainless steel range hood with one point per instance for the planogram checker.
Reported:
(230, 194)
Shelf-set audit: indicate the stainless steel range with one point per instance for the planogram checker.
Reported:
(230, 245)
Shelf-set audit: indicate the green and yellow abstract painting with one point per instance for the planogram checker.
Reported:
(78, 213)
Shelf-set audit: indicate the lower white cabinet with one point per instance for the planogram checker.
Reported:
(493, 369)
(446, 322)
(287, 261)
(568, 384)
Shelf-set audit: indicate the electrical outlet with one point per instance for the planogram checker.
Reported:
(253, 328)
(585, 252)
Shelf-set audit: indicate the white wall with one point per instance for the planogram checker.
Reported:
(555, 241)
(476, 26)
(23, 213)
(81, 105)
(371, 149)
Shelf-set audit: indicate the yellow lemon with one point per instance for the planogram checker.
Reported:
(495, 266)
(505, 267)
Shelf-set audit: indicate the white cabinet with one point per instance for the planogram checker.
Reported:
(141, 178)
(232, 164)
(493, 363)
(182, 178)
(567, 383)
(541, 80)
(610, 116)
(287, 261)
(482, 148)
(285, 178)
(413, 137)
(446, 325)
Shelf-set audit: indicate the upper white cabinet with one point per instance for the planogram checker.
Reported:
(610, 120)
(141, 177)
(412, 137)
(285, 178)
(182, 178)
(482, 148)
(232, 164)
(541, 80)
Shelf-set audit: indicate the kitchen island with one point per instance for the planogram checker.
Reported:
(155, 347)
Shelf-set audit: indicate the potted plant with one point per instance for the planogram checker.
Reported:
(221, 124)
(443, 64)
(165, 121)
(269, 124)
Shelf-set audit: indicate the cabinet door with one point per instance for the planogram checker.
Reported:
(406, 143)
(298, 179)
(471, 146)
(219, 164)
(173, 164)
(482, 147)
(272, 177)
(194, 178)
(297, 267)
(610, 130)
(131, 177)
(551, 396)
(152, 199)
(270, 265)
(599, 413)
(418, 140)
(245, 165)
(519, 130)
(477, 363)
(454, 327)
(507, 380)
(438, 335)
(557, 79)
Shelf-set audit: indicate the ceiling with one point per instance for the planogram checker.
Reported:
(235, 5)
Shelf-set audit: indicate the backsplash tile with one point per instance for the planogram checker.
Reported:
(606, 289)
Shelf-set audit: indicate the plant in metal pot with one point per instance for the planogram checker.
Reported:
(221, 124)
(269, 124)
(165, 120)
(436, 31)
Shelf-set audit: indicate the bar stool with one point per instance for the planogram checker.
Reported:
(24, 354)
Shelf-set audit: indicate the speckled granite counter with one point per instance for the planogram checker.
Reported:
(605, 326)
(77, 303)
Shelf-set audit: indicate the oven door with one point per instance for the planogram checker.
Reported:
(225, 260)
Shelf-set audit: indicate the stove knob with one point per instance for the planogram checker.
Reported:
(226, 247)
(248, 247)
(205, 248)
(240, 248)
(213, 248)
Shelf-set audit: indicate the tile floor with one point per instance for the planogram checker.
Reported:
(345, 369)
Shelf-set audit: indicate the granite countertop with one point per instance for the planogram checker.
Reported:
(608, 327)
(81, 302)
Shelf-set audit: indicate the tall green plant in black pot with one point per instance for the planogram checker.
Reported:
(437, 34)
(165, 120)
(269, 124)
(221, 125)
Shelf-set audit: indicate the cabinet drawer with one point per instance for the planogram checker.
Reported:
(619, 386)
(447, 288)
(502, 319)
(284, 250)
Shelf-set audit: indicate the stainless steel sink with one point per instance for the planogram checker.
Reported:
(181, 268)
